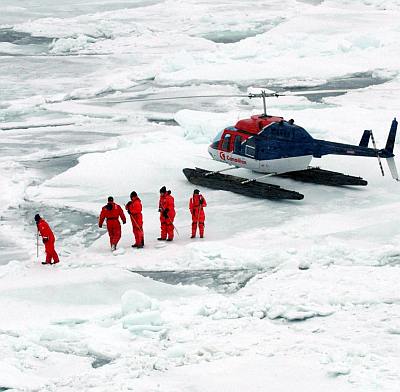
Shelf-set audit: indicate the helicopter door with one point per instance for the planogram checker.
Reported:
(225, 143)
(237, 145)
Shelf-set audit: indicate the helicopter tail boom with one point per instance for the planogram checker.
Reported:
(324, 147)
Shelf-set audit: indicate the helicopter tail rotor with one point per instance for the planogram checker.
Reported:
(386, 152)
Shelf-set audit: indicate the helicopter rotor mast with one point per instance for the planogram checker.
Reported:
(263, 95)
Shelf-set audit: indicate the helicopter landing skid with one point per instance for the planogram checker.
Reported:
(324, 177)
(225, 182)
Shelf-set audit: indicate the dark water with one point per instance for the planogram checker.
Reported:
(232, 36)
(99, 362)
(21, 38)
(312, 2)
(73, 229)
(221, 280)
(171, 122)
(53, 166)
(31, 45)
(346, 82)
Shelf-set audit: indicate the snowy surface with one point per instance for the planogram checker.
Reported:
(279, 296)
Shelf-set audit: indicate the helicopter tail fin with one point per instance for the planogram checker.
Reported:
(389, 150)
(392, 136)
(365, 138)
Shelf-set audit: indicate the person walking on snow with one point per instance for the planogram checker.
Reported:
(112, 212)
(166, 207)
(48, 240)
(134, 208)
(196, 206)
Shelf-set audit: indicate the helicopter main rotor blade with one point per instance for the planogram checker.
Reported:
(268, 94)
(314, 92)
(265, 94)
(134, 99)
(250, 95)
(328, 91)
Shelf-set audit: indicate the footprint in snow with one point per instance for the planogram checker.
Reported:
(120, 251)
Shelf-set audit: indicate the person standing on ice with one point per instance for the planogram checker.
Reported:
(134, 208)
(48, 239)
(112, 212)
(166, 207)
(196, 206)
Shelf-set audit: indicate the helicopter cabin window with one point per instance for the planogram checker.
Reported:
(250, 149)
(237, 146)
(226, 142)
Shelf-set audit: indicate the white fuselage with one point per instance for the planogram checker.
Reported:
(278, 166)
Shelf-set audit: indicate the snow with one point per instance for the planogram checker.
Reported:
(298, 295)
(135, 301)
(8, 48)
(237, 373)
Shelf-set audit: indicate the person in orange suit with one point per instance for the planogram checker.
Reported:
(48, 239)
(196, 206)
(112, 212)
(166, 207)
(134, 208)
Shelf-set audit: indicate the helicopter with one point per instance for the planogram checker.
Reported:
(273, 146)
(276, 147)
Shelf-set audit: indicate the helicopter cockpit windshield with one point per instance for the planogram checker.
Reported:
(217, 138)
